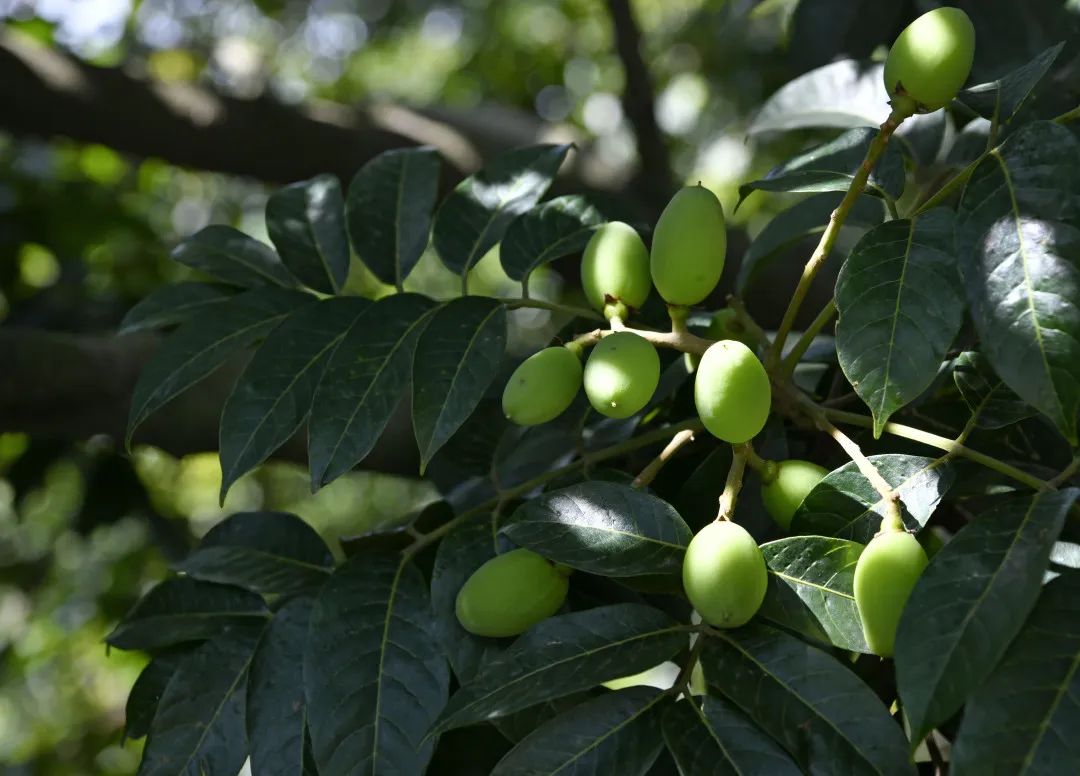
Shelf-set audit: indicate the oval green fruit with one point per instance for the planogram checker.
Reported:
(621, 374)
(689, 245)
(725, 325)
(724, 574)
(885, 575)
(793, 481)
(615, 267)
(509, 594)
(732, 392)
(542, 387)
(931, 58)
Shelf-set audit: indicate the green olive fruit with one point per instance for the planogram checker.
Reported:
(724, 574)
(662, 677)
(732, 392)
(621, 374)
(885, 575)
(542, 387)
(688, 247)
(931, 58)
(615, 267)
(510, 593)
(725, 324)
(793, 481)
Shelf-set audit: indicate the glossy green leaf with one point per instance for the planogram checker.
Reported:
(389, 208)
(832, 167)
(1020, 259)
(1023, 719)
(276, 713)
(811, 589)
(172, 304)
(199, 726)
(273, 396)
(374, 676)
(363, 383)
(202, 344)
(971, 602)
(563, 655)
(456, 359)
(841, 94)
(1004, 96)
(266, 552)
(476, 214)
(145, 695)
(463, 551)
(180, 610)
(306, 223)
(819, 711)
(901, 306)
(602, 528)
(233, 257)
(618, 732)
(990, 400)
(806, 217)
(549, 231)
(710, 737)
(845, 503)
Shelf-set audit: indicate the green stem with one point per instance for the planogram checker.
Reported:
(648, 474)
(832, 231)
(1069, 115)
(514, 303)
(733, 484)
(820, 322)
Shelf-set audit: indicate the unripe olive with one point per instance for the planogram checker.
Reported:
(793, 481)
(510, 593)
(542, 387)
(724, 574)
(931, 58)
(621, 374)
(688, 247)
(615, 266)
(725, 324)
(732, 392)
(885, 575)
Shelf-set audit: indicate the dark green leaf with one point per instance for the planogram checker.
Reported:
(1005, 95)
(145, 695)
(603, 528)
(922, 136)
(363, 383)
(233, 257)
(971, 602)
(461, 553)
(901, 306)
(841, 94)
(456, 359)
(846, 505)
(375, 678)
(710, 737)
(202, 344)
(180, 610)
(563, 655)
(276, 714)
(826, 718)
(806, 217)
(172, 304)
(549, 231)
(389, 211)
(273, 396)
(267, 552)
(474, 217)
(1023, 719)
(811, 589)
(832, 167)
(990, 400)
(306, 223)
(199, 725)
(616, 733)
(1021, 267)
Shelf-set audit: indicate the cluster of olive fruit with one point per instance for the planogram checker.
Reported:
(724, 571)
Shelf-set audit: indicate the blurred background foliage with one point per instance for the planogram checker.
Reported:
(85, 232)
